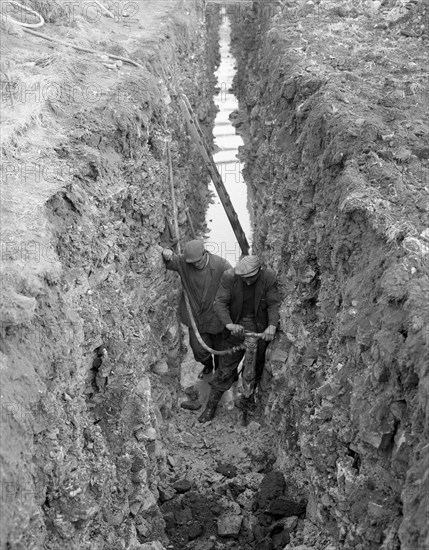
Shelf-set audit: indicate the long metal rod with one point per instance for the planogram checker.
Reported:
(197, 134)
(173, 198)
(191, 223)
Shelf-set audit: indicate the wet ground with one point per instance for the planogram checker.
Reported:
(221, 239)
(210, 494)
(215, 470)
(221, 488)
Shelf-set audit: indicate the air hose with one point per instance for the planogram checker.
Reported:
(27, 27)
(40, 23)
(198, 335)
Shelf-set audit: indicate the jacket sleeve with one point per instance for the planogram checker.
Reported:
(226, 265)
(173, 264)
(223, 298)
(273, 301)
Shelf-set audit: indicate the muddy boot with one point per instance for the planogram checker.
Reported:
(210, 410)
(192, 393)
(244, 419)
(193, 403)
(246, 406)
(208, 367)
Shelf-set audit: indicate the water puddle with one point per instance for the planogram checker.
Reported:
(221, 239)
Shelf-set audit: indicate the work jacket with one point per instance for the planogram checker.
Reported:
(204, 314)
(229, 299)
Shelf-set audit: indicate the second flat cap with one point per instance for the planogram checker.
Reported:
(248, 266)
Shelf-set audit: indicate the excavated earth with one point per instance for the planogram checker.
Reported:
(333, 112)
(96, 451)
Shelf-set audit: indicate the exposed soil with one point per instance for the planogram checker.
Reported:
(96, 451)
(333, 112)
(220, 488)
(88, 311)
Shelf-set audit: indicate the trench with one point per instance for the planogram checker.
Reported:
(98, 453)
(214, 502)
(220, 238)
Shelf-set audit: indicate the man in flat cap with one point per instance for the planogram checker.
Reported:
(247, 299)
(200, 273)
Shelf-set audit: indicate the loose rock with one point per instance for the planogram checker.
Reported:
(229, 525)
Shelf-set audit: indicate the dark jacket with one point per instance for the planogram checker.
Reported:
(229, 299)
(205, 317)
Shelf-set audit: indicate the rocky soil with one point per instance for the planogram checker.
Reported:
(88, 310)
(333, 111)
(96, 451)
(219, 487)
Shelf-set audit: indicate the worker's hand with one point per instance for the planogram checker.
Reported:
(236, 330)
(269, 333)
(167, 254)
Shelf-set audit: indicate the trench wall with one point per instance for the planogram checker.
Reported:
(90, 341)
(341, 216)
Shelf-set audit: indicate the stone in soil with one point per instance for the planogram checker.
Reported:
(182, 486)
(228, 470)
(189, 517)
(230, 525)
(191, 405)
(166, 492)
(284, 507)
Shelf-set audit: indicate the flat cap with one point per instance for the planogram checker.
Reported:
(193, 251)
(248, 266)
